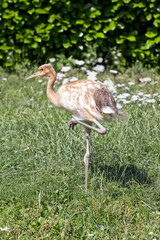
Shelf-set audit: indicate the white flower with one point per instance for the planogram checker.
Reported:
(5, 79)
(73, 79)
(99, 68)
(81, 35)
(140, 99)
(124, 95)
(60, 76)
(65, 69)
(6, 229)
(50, 106)
(140, 93)
(65, 80)
(150, 100)
(81, 47)
(120, 85)
(147, 79)
(90, 235)
(147, 95)
(119, 54)
(131, 83)
(99, 60)
(119, 106)
(127, 88)
(113, 71)
(91, 75)
(125, 101)
(79, 62)
(109, 84)
(134, 98)
(52, 60)
(155, 94)
(116, 62)
(83, 69)
(40, 80)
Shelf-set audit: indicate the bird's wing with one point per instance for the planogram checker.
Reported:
(78, 98)
(105, 101)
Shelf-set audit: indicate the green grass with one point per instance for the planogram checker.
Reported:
(41, 160)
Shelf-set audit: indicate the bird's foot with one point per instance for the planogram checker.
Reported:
(72, 123)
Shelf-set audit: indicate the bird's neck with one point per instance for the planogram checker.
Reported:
(50, 93)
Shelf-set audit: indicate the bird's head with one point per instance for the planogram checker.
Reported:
(45, 70)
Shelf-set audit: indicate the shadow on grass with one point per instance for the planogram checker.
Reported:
(122, 173)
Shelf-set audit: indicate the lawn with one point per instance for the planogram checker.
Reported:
(42, 192)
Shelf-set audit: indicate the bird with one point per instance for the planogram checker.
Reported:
(88, 101)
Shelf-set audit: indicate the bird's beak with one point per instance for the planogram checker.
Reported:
(37, 74)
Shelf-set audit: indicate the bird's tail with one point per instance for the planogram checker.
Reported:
(114, 112)
(120, 115)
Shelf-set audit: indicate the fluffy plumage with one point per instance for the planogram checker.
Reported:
(88, 101)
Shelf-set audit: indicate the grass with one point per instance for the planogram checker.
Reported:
(42, 172)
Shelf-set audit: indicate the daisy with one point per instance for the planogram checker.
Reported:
(60, 76)
(99, 68)
(65, 69)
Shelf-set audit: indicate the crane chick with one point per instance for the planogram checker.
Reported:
(87, 101)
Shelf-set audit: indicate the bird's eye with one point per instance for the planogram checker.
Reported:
(41, 69)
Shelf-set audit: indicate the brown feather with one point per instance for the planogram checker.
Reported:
(103, 98)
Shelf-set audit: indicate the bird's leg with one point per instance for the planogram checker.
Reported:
(72, 123)
(100, 128)
(87, 157)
